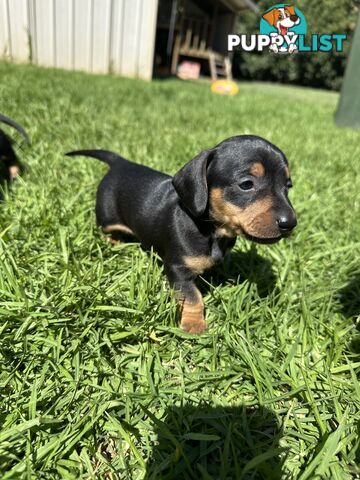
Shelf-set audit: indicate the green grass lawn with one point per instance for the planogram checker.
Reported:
(96, 379)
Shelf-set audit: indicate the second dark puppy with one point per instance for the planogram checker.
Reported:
(239, 187)
(10, 165)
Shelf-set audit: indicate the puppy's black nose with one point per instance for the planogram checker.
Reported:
(294, 18)
(287, 223)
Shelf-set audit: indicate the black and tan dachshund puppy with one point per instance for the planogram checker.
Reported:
(239, 187)
(10, 165)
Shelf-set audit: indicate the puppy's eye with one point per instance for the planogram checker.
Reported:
(289, 184)
(246, 185)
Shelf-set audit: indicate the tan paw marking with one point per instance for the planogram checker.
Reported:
(14, 171)
(192, 317)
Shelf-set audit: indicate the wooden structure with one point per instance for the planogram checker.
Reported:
(119, 36)
(194, 40)
(198, 30)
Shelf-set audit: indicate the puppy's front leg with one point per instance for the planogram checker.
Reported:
(191, 303)
(14, 171)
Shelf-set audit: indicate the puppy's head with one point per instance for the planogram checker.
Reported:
(282, 18)
(242, 186)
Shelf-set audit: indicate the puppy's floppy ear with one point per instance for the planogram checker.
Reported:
(290, 9)
(270, 17)
(190, 182)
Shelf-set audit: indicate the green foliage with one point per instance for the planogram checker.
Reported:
(97, 381)
(323, 70)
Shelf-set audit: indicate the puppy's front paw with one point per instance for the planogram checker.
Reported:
(14, 171)
(192, 317)
(195, 328)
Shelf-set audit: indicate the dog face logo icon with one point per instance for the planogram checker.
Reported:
(283, 23)
(282, 18)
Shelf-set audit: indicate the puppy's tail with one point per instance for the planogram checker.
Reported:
(17, 127)
(104, 155)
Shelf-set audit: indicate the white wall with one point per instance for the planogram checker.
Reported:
(91, 35)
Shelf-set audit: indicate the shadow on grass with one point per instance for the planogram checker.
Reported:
(204, 442)
(237, 267)
(241, 266)
(349, 298)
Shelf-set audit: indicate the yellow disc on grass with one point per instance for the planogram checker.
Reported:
(224, 87)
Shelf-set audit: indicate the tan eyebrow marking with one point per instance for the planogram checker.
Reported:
(257, 169)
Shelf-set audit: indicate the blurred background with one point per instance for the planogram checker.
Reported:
(139, 38)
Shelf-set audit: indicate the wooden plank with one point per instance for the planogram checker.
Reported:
(18, 29)
(101, 36)
(82, 34)
(197, 30)
(204, 34)
(228, 68)
(191, 52)
(147, 39)
(176, 54)
(4, 30)
(212, 67)
(64, 33)
(45, 32)
(189, 32)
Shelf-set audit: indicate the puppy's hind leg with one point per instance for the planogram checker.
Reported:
(191, 303)
(119, 233)
(108, 216)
